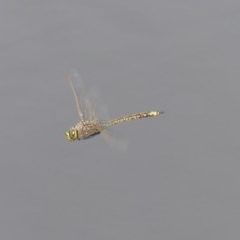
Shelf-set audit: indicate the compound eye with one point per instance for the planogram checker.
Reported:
(72, 134)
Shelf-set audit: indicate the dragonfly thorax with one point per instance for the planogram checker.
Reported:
(84, 130)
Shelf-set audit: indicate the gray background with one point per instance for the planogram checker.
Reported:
(179, 177)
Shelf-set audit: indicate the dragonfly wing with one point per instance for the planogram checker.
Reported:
(93, 101)
(88, 103)
(114, 141)
(79, 93)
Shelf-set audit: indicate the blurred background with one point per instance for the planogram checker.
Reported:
(178, 178)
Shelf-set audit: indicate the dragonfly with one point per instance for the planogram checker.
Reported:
(90, 125)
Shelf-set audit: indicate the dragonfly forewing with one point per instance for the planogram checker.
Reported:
(79, 93)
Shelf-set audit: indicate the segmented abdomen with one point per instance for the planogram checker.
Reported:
(131, 117)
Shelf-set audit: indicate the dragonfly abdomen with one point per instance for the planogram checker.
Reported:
(132, 117)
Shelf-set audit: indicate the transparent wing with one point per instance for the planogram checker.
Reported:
(88, 103)
(97, 110)
(114, 141)
(79, 93)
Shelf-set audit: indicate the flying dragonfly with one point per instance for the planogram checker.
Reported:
(89, 124)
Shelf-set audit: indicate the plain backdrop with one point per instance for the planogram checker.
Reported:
(179, 177)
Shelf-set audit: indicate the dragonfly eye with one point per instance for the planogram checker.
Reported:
(72, 134)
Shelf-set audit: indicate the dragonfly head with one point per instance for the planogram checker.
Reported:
(72, 134)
